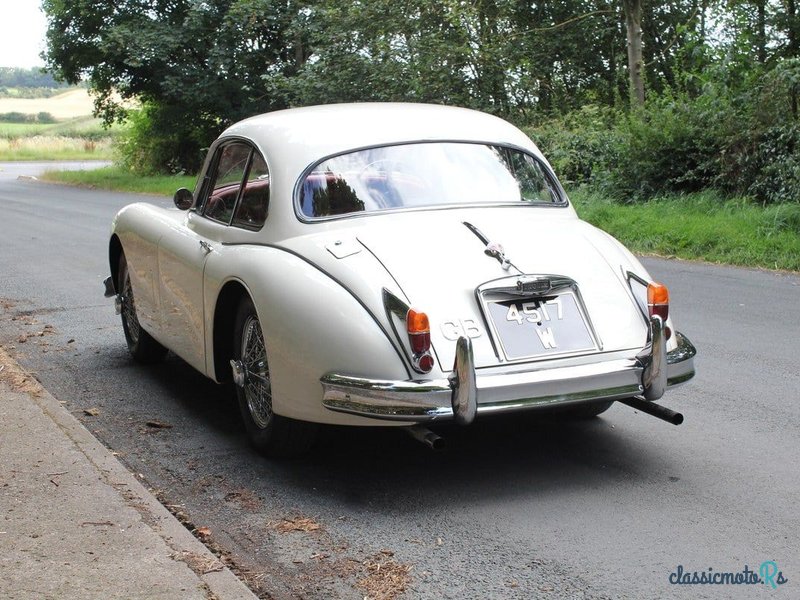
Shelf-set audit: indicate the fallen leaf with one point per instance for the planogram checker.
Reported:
(297, 524)
(385, 578)
(158, 425)
(199, 563)
(91, 412)
(203, 532)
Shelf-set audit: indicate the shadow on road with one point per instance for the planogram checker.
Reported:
(500, 456)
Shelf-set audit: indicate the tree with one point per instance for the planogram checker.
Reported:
(197, 66)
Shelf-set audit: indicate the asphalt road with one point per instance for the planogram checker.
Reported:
(514, 508)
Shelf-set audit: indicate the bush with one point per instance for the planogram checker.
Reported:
(742, 142)
(160, 139)
(579, 144)
(658, 149)
(18, 117)
(663, 148)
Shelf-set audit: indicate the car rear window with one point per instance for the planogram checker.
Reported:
(424, 175)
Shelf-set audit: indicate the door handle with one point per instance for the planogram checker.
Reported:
(205, 246)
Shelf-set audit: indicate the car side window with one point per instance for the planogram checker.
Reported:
(251, 212)
(227, 181)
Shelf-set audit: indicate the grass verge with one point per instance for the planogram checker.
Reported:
(702, 226)
(119, 180)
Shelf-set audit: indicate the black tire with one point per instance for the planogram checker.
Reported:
(271, 434)
(141, 344)
(586, 410)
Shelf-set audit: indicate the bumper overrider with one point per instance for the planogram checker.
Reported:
(463, 394)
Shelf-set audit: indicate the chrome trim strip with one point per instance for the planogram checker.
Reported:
(629, 278)
(394, 306)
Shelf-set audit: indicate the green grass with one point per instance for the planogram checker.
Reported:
(12, 130)
(114, 178)
(701, 226)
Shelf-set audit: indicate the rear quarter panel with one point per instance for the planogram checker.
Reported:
(312, 326)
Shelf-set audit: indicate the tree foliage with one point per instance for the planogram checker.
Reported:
(195, 65)
(715, 84)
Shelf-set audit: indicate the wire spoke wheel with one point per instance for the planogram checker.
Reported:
(257, 388)
(272, 434)
(142, 346)
(129, 310)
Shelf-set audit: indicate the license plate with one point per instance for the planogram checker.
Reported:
(535, 327)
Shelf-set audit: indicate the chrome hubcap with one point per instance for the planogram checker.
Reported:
(252, 375)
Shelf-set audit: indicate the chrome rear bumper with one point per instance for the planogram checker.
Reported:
(466, 393)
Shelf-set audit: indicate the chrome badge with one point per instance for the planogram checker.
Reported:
(534, 286)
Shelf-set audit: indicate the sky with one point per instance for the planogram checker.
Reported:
(22, 29)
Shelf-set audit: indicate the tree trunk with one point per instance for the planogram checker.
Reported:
(761, 31)
(703, 9)
(633, 27)
(794, 48)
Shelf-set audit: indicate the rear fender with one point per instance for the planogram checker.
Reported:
(312, 326)
(628, 270)
(135, 231)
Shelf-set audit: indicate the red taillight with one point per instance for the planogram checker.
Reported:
(419, 336)
(425, 363)
(658, 300)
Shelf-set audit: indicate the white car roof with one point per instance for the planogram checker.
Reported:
(293, 139)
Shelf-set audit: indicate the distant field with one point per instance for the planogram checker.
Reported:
(76, 136)
(68, 105)
(86, 126)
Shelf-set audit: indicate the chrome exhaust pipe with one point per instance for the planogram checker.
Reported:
(426, 436)
(651, 408)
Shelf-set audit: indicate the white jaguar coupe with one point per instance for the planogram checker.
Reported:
(390, 264)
